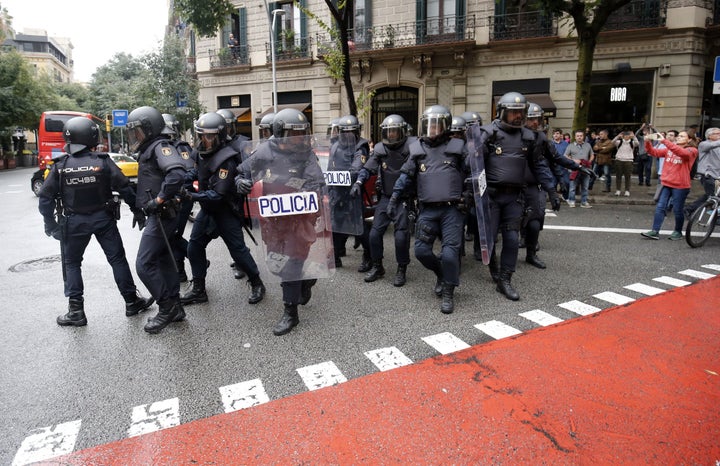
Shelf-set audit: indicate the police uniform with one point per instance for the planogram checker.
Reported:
(387, 163)
(83, 183)
(161, 174)
(438, 170)
(177, 241)
(221, 214)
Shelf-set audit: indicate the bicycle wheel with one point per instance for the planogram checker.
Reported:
(701, 224)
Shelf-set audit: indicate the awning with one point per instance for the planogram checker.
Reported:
(242, 114)
(543, 100)
(299, 107)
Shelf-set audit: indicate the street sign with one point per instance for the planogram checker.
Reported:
(716, 71)
(716, 88)
(119, 118)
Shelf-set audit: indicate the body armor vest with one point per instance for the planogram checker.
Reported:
(159, 157)
(439, 171)
(507, 156)
(85, 184)
(390, 161)
(186, 153)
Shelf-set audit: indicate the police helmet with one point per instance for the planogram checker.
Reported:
(458, 124)
(229, 122)
(436, 121)
(333, 129)
(80, 133)
(143, 124)
(265, 125)
(472, 117)
(393, 131)
(210, 132)
(511, 101)
(171, 125)
(535, 117)
(293, 129)
(349, 123)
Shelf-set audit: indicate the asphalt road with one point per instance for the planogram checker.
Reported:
(98, 374)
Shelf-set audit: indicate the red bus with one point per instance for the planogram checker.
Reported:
(50, 136)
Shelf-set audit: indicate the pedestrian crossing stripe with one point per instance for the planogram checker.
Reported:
(53, 441)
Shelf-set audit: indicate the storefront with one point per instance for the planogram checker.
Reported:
(620, 100)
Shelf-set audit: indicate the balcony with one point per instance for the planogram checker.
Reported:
(290, 48)
(432, 31)
(638, 14)
(228, 57)
(526, 25)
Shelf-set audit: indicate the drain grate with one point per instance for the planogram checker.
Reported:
(35, 264)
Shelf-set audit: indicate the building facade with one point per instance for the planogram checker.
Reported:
(653, 61)
(51, 55)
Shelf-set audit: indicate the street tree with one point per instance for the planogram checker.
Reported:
(589, 18)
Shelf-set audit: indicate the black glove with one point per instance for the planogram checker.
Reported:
(152, 207)
(392, 206)
(53, 229)
(588, 171)
(555, 201)
(139, 219)
(243, 185)
(355, 190)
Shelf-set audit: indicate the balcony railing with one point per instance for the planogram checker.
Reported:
(293, 49)
(443, 30)
(230, 56)
(638, 14)
(527, 25)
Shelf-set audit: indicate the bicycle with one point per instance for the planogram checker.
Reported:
(703, 220)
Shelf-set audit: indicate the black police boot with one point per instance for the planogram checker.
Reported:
(532, 258)
(197, 294)
(366, 264)
(237, 272)
(505, 287)
(438, 285)
(338, 262)
(494, 270)
(377, 271)
(75, 315)
(257, 290)
(288, 320)
(135, 303)
(448, 305)
(170, 311)
(182, 275)
(400, 275)
(306, 291)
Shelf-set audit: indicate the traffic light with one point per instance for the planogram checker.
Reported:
(108, 122)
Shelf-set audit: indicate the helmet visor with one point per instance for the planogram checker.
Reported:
(296, 140)
(433, 125)
(135, 134)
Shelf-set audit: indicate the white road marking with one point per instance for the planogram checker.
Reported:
(445, 343)
(388, 358)
(579, 308)
(321, 375)
(696, 274)
(497, 329)
(614, 298)
(712, 267)
(48, 442)
(243, 395)
(671, 281)
(153, 417)
(541, 317)
(645, 289)
(610, 230)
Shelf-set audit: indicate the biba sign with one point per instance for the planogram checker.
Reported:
(618, 94)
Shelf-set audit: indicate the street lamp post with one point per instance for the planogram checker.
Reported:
(275, 13)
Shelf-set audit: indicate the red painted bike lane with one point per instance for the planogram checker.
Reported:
(633, 384)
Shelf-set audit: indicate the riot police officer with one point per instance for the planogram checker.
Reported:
(80, 186)
(509, 151)
(241, 144)
(161, 174)
(221, 211)
(265, 126)
(177, 240)
(386, 161)
(437, 164)
(287, 164)
(349, 153)
(333, 130)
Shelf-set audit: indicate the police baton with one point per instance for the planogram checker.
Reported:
(164, 235)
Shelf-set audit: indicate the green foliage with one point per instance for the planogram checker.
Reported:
(206, 16)
(364, 103)
(332, 53)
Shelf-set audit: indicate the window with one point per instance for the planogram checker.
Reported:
(440, 17)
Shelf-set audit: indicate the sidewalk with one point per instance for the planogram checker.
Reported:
(639, 195)
(633, 384)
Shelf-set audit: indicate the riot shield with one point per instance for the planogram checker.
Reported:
(346, 211)
(289, 210)
(480, 193)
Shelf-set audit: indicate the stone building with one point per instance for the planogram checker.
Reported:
(654, 61)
